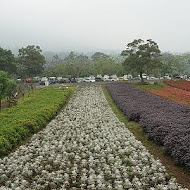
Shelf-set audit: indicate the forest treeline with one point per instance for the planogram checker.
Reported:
(30, 62)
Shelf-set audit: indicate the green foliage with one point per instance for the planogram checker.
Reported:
(82, 66)
(175, 64)
(7, 61)
(106, 65)
(11, 90)
(141, 57)
(8, 87)
(4, 82)
(149, 87)
(30, 115)
(30, 61)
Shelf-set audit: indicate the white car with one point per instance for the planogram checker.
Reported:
(114, 79)
(106, 78)
(89, 80)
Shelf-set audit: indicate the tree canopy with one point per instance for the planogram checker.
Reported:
(80, 65)
(30, 61)
(141, 56)
(7, 61)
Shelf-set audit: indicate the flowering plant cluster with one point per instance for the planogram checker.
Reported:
(182, 84)
(175, 94)
(165, 122)
(84, 147)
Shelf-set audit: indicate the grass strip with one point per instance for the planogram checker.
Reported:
(180, 173)
(30, 115)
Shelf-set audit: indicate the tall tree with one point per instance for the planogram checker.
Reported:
(105, 64)
(181, 64)
(141, 56)
(99, 56)
(30, 61)
(7, 61)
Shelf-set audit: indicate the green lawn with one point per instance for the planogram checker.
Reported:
(148, 87)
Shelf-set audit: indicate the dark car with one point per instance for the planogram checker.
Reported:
(64, 80)
(98, 79)
(73, 80)
(42, 82)
(178, 77)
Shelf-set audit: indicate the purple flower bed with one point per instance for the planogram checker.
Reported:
(165, 122)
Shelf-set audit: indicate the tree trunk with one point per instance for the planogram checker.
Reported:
(0, 104)
(142, 79)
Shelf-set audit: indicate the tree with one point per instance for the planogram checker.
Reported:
(77, 65)
(141, 56)
(99, 56)
(105, 64)
(181, 64)
(4, 82)
(167, 60)
(7, 61)
(30, 61)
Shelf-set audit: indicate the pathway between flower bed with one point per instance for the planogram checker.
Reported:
(84, 147)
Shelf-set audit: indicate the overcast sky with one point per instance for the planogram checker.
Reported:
(88, 25)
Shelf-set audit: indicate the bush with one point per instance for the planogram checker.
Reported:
(31, 114)
(165, 122)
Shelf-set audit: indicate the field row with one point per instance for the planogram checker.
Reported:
(32, 113)
(84, 147)
(165, 122)
(168, 92)
(181, 84)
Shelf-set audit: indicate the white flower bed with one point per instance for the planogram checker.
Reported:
(85, 147)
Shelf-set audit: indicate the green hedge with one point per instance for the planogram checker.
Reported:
(31, 114)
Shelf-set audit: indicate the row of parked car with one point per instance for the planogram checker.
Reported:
(70, 79)
(98, 78)
(53, 80)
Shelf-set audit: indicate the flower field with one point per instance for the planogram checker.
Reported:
(165, 122)
(84, 147)
(175, 94)
(181, 84)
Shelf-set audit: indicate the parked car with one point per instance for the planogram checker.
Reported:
(73, 80)
(28, 80)
(89, 80)
(99, 79)
(123, 79)
(79, 80)
(152, 78)
(178, 77)
(91, 77)
(52, 80)
(43, 81)
(113, 78)
(59, 79)
(63, 80)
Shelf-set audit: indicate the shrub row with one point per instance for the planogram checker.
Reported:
(31, 114)
(182, 84)
(165, 122)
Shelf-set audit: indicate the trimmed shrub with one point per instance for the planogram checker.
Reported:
(31, 114)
